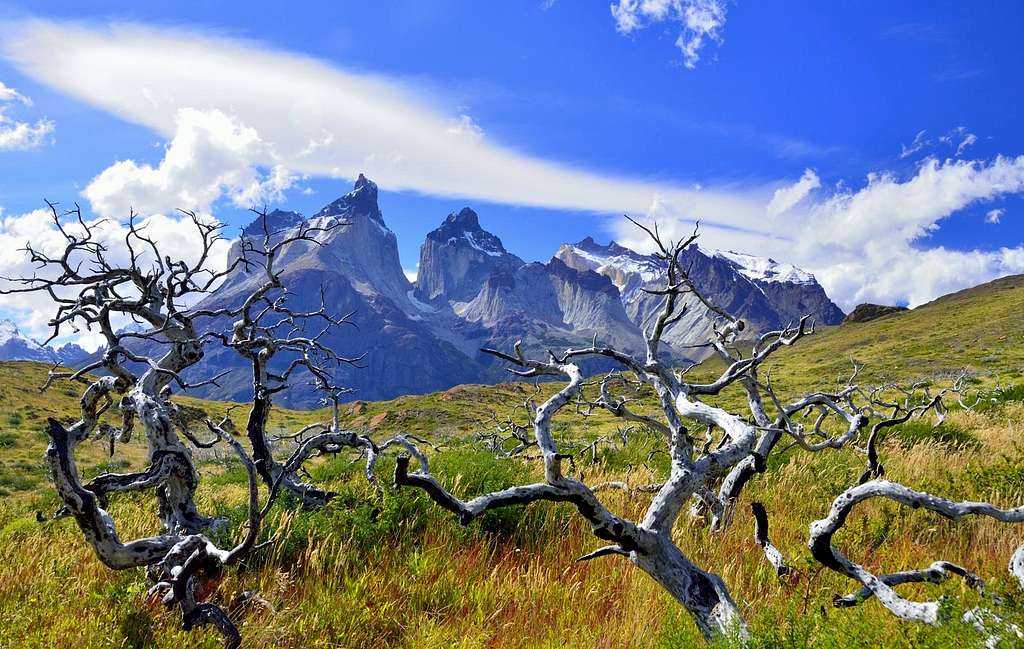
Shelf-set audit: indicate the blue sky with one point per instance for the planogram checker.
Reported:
(550, 119)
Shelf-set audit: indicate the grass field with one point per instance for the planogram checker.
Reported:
(385, 568)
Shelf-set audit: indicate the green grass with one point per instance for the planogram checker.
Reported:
(385, 568)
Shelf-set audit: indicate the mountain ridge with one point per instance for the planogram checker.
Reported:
(471, 292)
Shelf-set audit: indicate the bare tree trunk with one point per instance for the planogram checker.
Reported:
(176, 491)
(268, 468)
(703, 594)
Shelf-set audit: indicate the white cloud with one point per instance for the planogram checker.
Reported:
(785, 198)
(21, 136)
(230, 108)
(994, 216)
(699, 21)
(919, 143)
(32, 311)
(870, 244)
(959, 137)
(319, 120)
(211, 154)
(968, 140)
(9, 94)
(466, 126)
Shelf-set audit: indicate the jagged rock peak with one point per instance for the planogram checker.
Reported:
(276, 221)
(361, 201)
(463, 228)
(465, 218)
(612, 248)
(586, 279)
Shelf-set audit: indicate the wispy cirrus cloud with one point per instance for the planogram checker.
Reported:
(320, 120)
(959, 138)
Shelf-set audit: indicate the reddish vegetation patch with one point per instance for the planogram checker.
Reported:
(376, 419)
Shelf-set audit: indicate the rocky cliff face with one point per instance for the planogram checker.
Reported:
(458, 257)
(551, 306)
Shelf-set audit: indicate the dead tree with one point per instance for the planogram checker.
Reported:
(908, 403)
(139, 366)
(709, 476)
(264, 327)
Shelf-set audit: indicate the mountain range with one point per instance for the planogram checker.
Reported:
(16, 347)
(471, 292)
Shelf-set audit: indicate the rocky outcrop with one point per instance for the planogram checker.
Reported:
(868, 312)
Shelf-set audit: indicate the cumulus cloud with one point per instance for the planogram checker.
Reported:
(16, 135)
(994, 216)
(210, 155)
(33, 310)
(785, 198)
(869, 244)
(699, 21)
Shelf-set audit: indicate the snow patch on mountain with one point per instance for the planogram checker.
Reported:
(614, 256)
(8, 330)
(482, 248)
(764, 269)
(425, 308)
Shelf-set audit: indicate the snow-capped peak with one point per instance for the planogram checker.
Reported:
(8, 330)
(764, 269)
(627, 262)
(464, 225)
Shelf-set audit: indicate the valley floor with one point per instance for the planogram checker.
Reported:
(385, 568)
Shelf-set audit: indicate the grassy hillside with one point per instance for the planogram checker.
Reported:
(978, 328)
(388, 569)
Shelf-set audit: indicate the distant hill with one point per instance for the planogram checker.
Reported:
(980, 328)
